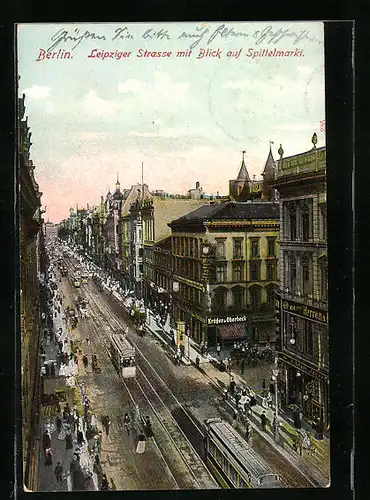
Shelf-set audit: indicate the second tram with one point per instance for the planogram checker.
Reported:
(233, 461)
(122, 355)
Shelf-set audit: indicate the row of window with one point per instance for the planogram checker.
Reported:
(254, 243)
(299, 220)
(220, 299)
(254, 271)
(227, 468)
(299, 275)
(186, 246)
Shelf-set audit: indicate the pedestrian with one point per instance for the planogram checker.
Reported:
(242, 367)
(264, 421)
(69, 443)
(80, 437)
(46, 441)
(202, 348)
(48, 457)
(59, 423)
(104, 486)
(148, 427)
(248, 432)
(232, 386)
(197, 361)
(235, 420)
(297, 419)
(237, 398)
(85, 361)
(253, 401)
(319, 429)
(218, 348)
(106, 423)
(58, 471)
(297, 443)
(127, 421)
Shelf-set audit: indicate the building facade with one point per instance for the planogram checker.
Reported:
(225, 271)
(31, 238)
(302, 302)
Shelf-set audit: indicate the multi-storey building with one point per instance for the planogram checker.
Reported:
(30, 239)
(225, 271)
(302, 301)
(156, 213)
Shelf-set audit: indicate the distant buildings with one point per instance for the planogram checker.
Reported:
(303, 299)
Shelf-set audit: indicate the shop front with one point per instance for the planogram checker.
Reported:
(225, 330)
(304, 386)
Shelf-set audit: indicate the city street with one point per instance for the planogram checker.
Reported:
(178, 399)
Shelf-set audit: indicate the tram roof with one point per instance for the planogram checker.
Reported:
(238, 448)
(122, 344)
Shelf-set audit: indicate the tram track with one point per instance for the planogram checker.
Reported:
(198, 476)
(293, 476)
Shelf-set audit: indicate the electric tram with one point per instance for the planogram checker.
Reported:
(122, 355)
(233, 461)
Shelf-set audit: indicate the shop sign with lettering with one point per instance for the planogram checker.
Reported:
(305, 311)
(228, 319)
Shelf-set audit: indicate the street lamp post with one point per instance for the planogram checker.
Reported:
(275, 374)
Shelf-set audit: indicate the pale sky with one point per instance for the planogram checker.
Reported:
(187, 119)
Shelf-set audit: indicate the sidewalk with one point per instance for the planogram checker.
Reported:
(315, 465)
(47, 478)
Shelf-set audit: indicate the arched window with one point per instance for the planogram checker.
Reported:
(306, 229)
(292, 216)
(220, 299)
(307, 274)
(270, 294)
(255, 297)
(292, 273)
(323, 269)
(238, 297)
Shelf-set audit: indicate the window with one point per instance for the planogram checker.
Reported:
(271, 247)
(270, 271)
(255, 247)
(270, 292)
(254, 271)
(221, 273)
(306, 232)
(220, 299)
(238, 298)
(308, 338)
(237, 272)
(323, 265)
(238, 251)
(220, 248)
(323, 224)
(307, 275)
(255, 297)
(292, 222)
(293, 273)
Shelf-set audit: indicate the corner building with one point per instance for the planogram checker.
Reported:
(225, 271)
(301, 304)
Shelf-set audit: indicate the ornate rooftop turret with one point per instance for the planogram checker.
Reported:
(243, 172)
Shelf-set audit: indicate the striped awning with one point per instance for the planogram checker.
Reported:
(233, 331)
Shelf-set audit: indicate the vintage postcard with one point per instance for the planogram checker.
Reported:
(173, 251)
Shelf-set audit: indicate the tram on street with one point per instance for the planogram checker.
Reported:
(122, 355)
(233, 461)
